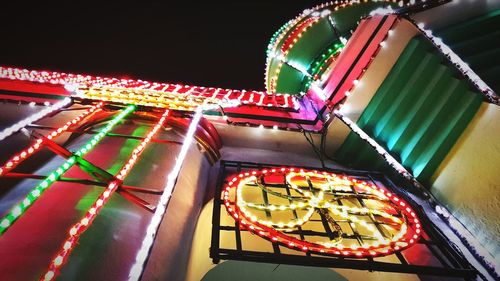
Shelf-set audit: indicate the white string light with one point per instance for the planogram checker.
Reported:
(33, 118)
(380, 150)
(323, 10)
(465, 235)
(459, 63)
(140, 259)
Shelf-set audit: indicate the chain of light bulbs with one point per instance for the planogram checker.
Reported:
(19, 157)
(311, 200)
(81, 226)
(74, 81)
(138, 267)
(19, 209)
(33, 118)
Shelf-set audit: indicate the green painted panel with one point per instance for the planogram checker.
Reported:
(317, 39)
(406, 97)
(484, 60)
(473, 45)
(411, 121)
(394, 81)
(421, 136)
(312, 43)
(470, 28)
(476, 41)
(287, 80)
(417, 114)
(450, 130)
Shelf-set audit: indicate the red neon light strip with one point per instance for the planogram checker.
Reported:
(407, 240)
(297, 33)
(77, 229)
(38, 144)
(352, 50)
(255, 98)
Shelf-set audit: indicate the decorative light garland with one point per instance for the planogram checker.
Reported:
(459, 63)
(281, 33)
(38, 144)
(33, 118)
(317, 67)
(152, 230)
(287, 46)
(469, 240)
(21, 207)
(152, 98)
(297, 33)
(77, 229)
(74, 81)
(316, 190)
(380, 150)
(356, 81)
(278, 36)
(272, 46)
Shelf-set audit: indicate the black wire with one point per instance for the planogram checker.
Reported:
(323, 145)
(275, 193)
(310, 140)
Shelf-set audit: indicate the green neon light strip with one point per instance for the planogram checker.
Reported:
(275, 36)
(18, 210)
(317, 66)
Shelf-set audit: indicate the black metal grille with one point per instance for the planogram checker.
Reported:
(431, 255)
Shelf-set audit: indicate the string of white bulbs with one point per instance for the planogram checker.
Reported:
(33, 118)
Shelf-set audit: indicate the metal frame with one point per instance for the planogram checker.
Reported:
(451, 263)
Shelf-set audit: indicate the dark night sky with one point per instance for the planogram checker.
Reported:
(212, 44)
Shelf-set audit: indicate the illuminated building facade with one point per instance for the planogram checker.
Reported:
(372, 154)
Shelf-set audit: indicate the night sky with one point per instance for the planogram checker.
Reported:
(212, 44)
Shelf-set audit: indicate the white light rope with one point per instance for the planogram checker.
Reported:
(33, 118)
(152, 230)
(380, 150)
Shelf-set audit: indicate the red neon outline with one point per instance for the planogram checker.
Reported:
(38, 144)
(31, 80)
(409, 238)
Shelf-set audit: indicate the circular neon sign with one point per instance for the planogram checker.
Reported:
(343, 216)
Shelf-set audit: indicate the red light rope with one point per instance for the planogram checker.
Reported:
(297, 33)
(77, 229)
(288, 45)
(38, 144)
(72, 81)
(322, 198)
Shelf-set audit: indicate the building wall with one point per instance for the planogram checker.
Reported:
(170, 254)
(467, 181)
(107, 250)
(201, 267)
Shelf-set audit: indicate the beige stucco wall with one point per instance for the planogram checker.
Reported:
(468, 180)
